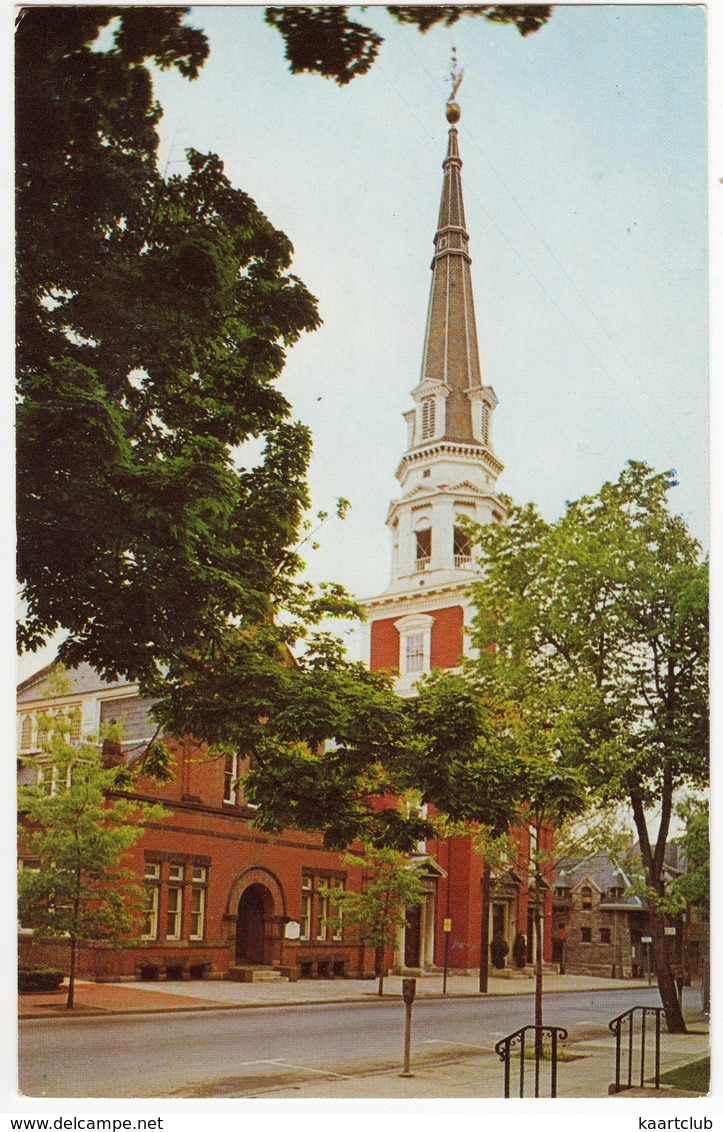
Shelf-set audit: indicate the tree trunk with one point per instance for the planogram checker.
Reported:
(537, 921)
(666, 980)
(71, 975)
(654, 862)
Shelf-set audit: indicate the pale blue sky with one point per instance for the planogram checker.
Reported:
(584, 150)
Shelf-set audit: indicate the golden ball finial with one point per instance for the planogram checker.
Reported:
(453, 113)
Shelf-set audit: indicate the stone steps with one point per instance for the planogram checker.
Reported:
(248, 973)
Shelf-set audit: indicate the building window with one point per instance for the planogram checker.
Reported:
(586, 897)
(75, 716)
(51, 779)
(462, 548)
(230, 777)
(174, 905)
(423, 549)
(586, 935)
(199, 875)
(322, 927)
(338, 930)
(306, 900)
(604, 935)
(317, 907)
(415, 644)
(26, 733)
(415, 653)
(152, 878)
(429, 418)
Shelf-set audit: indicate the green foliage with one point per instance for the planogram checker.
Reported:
(600, 618)
(33, 977)
(390, 885)
(694, 885)
(596, 627)
(77, 830)
(153, 318)
(324, 41)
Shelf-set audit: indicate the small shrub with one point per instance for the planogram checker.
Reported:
(35, 978)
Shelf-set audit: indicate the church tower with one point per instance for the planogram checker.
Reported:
(448, 471)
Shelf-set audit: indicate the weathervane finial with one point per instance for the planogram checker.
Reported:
(455, 77)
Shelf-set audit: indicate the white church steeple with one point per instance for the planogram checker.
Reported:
(449, 468)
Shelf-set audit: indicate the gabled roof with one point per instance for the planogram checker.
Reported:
(80, 681)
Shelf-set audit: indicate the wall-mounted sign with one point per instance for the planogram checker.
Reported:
(670, 931)
(447, 926)
(292, 930)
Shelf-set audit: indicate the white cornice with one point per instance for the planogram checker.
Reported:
(451, 449)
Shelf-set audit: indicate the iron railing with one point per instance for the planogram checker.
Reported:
(617, 1026)
(540, 1053)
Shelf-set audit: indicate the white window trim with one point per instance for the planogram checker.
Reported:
(416, 624)
(233, 799)
(198, 891)
(152, 881)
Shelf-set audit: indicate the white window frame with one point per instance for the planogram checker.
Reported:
(230, 791)
(27, 721)
(307, 903)
(322, 911)
(199, 884)
(338, 933)
(175, 885)
(152, 880)
(416, 624)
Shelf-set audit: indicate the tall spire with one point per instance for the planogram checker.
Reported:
(451, 353)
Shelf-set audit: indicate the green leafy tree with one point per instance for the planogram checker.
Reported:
(694, 884)
(605, 613)
(390, 886)
(325, 41)
(153, 318)
(77, 827)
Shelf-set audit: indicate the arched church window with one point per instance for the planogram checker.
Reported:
(429, 417)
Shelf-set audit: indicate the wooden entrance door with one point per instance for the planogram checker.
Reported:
(254, 911)
(413, 937)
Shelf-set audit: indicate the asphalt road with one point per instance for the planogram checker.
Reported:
(240, 1052)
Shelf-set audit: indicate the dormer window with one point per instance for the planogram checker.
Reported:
(429, 418)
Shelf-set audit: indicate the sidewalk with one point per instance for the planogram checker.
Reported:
(482, 1076)
(143, 998)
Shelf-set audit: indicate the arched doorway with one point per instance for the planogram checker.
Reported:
(254, 924)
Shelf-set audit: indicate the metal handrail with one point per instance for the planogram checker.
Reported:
(616, 1025)
(503, 1049)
